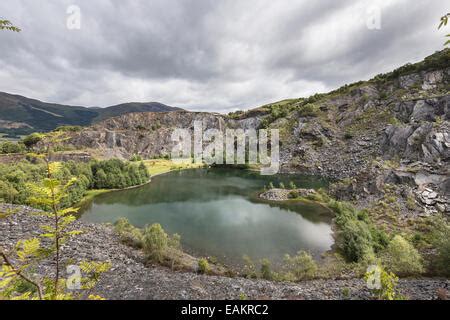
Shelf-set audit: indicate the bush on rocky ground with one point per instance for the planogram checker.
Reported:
(358, 236)
(440, 240)
(9, 147)
(401, 258)
(129, 234)
(266, 270)
(249, 269)
(300, 267)
(157, 245)
(383, 284)
(203, 266)
(155, 242)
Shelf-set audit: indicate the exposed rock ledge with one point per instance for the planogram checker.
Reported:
(130, 279)
(285, 194)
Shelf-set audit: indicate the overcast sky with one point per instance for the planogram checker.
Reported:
(208, 55)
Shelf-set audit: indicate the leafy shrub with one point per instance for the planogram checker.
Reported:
(358, 237)
(243, 296)
(7, 192)
(249, 269)
(356, 240)
(346, 293)
(276, 111)
(175, 241)
(293, 194)
(442, 258)
(266, 269)
(32, 139)
(315, 98)
(401, 257)
(203, 266)
(68, 129)
(282, 186)
(9, 147)
(135, 158)
(155, 242)
(380, 239)
(129, 234)
(309, 110)
(301, 266)
(388, 282)
(292, 185)
(440, 239)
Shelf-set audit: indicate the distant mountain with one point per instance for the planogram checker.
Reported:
(132, 107)
(21, 115)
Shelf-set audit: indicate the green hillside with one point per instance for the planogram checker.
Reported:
(21, 115)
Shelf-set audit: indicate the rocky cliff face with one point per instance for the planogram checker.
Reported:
(149, 134)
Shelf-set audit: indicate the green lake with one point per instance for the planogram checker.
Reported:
(217, 213)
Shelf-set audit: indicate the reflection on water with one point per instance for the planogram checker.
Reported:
(217, 213)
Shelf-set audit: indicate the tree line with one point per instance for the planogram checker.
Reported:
(15, 180)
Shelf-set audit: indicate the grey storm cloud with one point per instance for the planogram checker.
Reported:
(208, 55)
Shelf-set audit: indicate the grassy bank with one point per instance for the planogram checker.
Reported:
(160, 166)
(91, 194)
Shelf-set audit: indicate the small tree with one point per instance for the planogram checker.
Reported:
(387, 284)
(49, 195)
(155, 242)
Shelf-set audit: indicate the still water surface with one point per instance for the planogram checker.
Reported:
(217, 213)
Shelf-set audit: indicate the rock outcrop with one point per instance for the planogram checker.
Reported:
(284, 194)
(150, 134)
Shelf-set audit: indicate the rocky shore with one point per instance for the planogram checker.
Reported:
(130, 278)
(285, 194)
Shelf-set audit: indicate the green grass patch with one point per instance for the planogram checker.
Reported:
(161, 166)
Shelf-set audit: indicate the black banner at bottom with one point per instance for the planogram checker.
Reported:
(229, 310)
